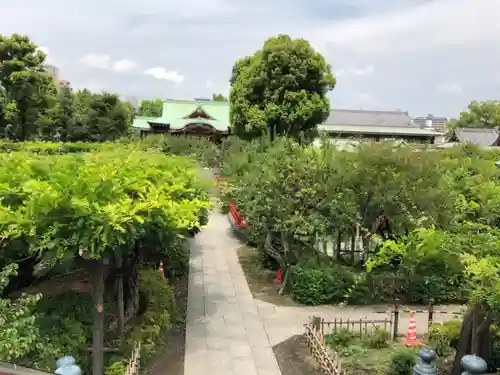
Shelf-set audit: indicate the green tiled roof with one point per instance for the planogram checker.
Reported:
(175, 111)
(356, 122)
(141, 122)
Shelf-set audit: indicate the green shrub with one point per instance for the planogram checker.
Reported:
(320, 284)
(203, 149)
(444, 336)
(176, 260)
(116, 368)
(436, 287)
(340, 338)
(402, 362)
(377, 339)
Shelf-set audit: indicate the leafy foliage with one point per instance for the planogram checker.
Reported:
(280, 90)
(485, 114)
(317, 285)
(219, 98)
(444, 337)
(426, 219)
(368, 354)
(151, 108)
(32, 107)
(93, 203)
(201, 149)
(59, 208)
(160, 312)
(402, 362)
(18, 329)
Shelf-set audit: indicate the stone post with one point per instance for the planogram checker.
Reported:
(473, 365)
(424, 365)
(67, 366)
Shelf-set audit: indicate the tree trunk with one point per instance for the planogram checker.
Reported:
(119, 297)
(474, 337)
(286, 281)
(132, 288)
(98, 329)
(286, 266)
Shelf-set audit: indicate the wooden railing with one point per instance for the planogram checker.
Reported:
(360, 327)
(134, 361)
(327, 359)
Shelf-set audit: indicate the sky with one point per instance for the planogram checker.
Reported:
(423, 56)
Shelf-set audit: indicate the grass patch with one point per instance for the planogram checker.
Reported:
(260, 279)
(370, 354)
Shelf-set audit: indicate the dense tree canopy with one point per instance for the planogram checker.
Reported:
(428, 223)
(280, 90)
(485, 114)
(218, 98)
(31, 107)
(151, 108)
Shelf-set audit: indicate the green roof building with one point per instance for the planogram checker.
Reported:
(209, 118)
(199, 116)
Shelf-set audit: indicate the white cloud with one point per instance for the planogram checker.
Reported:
(95, 61)
(48, 59)
(104, 62)
(434, 24)
(124, 65)
(167, 75)
(412, 44)
(209, 84)
(366, 71)
(450, 88)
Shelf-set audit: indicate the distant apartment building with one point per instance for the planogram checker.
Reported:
(132, 100)
(54, 72)
(431, 122)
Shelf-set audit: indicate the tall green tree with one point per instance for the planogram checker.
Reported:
(281, 90)
(485, 114)
(108, 118)
(218, 98)
(151, 108)
(28, 92)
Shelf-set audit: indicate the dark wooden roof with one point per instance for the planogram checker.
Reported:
(478, 136)
(368, 118)
(386, 123)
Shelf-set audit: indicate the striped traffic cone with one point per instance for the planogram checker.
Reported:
(411, 337)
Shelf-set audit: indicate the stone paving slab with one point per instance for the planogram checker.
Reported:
(225, 334)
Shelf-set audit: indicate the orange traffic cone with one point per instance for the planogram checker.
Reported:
(161, 267)
(411, 337)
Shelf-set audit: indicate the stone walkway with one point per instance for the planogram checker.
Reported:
(224, 331)
(230, 332)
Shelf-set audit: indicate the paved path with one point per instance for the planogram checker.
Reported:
(230, 332)
(224, 331)
(282, 322)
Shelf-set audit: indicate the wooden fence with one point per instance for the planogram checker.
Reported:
(133, 365)
(327, 359)
(388, 321)
(360, 327)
